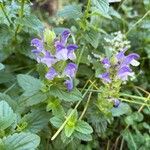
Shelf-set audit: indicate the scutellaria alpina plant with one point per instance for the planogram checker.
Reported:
(118, 70)
(63, 53)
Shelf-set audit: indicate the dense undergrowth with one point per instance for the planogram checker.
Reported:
(76, 80)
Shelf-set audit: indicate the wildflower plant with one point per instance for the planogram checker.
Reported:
(118, 70)
(67, 80)
(61, 53)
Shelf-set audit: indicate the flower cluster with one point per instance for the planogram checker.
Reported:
(121, 66)
(63, 52)
(118, 69)
(116, 41)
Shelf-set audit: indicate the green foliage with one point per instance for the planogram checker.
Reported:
(20, 141)
(7, 116)
(39, 114)
(70, 12)
(29, 84)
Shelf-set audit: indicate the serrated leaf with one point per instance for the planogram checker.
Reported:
(92, 37)
(55, 105)
(21, 141)
(70, 12)
(12, 103)
(69, 129)
(34, 99)
(29, 84)
(122, 109)
(7, 116)
(72, 96)
(57, 121)
(83, 137)
(31, 23)
(71, 124)
(101, 5)
(36, 120)
(83, 127)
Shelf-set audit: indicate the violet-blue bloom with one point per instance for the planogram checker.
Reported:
(64, 52)
(106, 63)
(105, 77)
(70, 70)
(64, 36)
(69, 84)
(116, 102)
(124, 72)
(37, 43)
(51, 74)
(48, 59)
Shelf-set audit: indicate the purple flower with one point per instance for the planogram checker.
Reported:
(116, 102)
(48, 59)
(51, 74)
(124, 72)
(70, 70)
(69, 84)
(64, 52)
(64, 36)
(106, 63)
(105, 77)
(37, 43)
(127, 60)
(131, 59)
(71, 48)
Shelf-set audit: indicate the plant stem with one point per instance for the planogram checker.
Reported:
(2, 7)
(72, 112)
(86, 106)
(21, 16)
(122, 99)
(133, 96)
(140, 20)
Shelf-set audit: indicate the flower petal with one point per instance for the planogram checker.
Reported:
(62, 54)
(124, 72)
(48, 59)
(72, 47)
(105, 77)
(116, 102)
(70, 70)
(37, 43)
(69, 84)
(64, 36)
(128, 59)
(51, 74)
(106, 63)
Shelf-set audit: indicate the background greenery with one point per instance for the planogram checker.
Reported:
(30, 116)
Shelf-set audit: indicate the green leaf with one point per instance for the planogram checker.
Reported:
(30, 24)
(130, 140)
(1, 66)
(21, 141)
(81, 136)
(101, 5)
(122, 109)
(71, 124)
(57, 121)
(54, 104)
(72, 96)
(134, 117)
(83, 127)
(7, 116)
(92, 37)
(12, 103)
(33, 100)
(29, 84)
(70, 12)
(35, 121)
